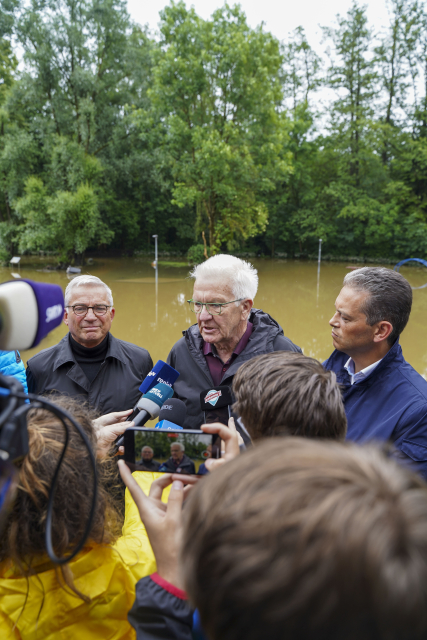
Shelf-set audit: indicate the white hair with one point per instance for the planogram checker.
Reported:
(178, 444)
(86, 281)
(241, 275)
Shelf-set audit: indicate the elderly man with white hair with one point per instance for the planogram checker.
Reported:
(89, 362)
(228, 331)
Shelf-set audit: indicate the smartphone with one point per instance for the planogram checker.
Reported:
(183, 451)
(219, 414)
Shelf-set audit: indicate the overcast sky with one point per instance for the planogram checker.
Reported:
(279, 16)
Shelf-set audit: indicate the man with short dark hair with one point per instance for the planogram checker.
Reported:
(285, 393)
(384, 397)
(296, 539)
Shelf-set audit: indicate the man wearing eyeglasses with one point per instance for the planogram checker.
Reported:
(89, 362)
(228, 331)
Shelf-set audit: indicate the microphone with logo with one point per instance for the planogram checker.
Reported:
(172, 415)
(161, 373)
(216, 405)
(149, 406)
(28, 312)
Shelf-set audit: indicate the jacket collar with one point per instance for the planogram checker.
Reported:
(265, 330)
(393, 356)
(65, 353)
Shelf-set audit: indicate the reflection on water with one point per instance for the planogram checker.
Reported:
(287, 291)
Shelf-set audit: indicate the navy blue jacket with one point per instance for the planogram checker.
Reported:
(389, 405)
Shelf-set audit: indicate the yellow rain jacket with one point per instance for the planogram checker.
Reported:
(107, 574)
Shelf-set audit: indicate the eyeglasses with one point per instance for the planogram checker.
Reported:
(82, 309)
(213, 308)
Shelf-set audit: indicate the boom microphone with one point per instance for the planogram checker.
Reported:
(172, 415)
(28, 312)
(161, 373)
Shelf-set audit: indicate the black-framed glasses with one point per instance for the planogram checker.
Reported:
(213, 308)
(82, 309)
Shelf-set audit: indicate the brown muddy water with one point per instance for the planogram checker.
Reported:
(154, 316)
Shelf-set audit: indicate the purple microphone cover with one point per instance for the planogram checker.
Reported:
(160, 373)
(50, 304)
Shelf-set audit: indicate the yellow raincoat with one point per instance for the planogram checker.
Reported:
(107, 574)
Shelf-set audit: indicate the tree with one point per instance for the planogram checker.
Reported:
(215, 96)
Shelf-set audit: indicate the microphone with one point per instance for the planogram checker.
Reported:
(28, 312)
(216, 401)
(149, 405)
(161, 373)
(172, 415)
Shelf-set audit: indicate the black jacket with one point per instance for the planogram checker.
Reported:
(158, 614)
(115, 387)
(185, 466)
(187, 357)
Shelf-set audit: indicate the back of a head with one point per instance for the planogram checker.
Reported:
(390, 297)
(285, 393)
(23, 537)
(239, 275)
(308, 541)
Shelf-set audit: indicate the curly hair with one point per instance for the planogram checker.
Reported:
(23, 538)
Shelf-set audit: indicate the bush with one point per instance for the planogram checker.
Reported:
(195, 254)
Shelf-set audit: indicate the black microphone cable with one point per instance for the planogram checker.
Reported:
(38, 402)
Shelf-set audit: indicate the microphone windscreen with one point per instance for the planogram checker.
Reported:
(161, 373)
(158, 394)
(28, 312)
(215, 398)
(174, 411)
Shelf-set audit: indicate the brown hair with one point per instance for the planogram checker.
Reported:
(285, 393)
(23, 538)
(308, 540)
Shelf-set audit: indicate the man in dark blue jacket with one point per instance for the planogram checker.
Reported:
(384, 397)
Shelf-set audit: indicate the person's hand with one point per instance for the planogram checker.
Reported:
(107, 435)
(230, 438)
(163, 522)
(111, 418)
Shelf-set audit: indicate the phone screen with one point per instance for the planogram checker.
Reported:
(184, 451)
(220, 414)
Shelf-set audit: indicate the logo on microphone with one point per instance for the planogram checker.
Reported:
(167, 406)
(152, 373)
(53, 312)
(212, 397)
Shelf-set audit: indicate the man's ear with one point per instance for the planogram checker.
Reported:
(246, 308)
(65, 316)
(382, 330)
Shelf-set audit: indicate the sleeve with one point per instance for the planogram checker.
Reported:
(12, 365)
(160, 611)
(281, 343)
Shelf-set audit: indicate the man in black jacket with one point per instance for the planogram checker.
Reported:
(89, 362)
(178, 461)
(228, 331)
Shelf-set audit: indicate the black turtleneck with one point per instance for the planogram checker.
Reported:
(90, 359)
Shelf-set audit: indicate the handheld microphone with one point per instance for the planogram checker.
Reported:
(28, 312)
(149, 405)
(172, 415)
(215, 403)
(161, 373)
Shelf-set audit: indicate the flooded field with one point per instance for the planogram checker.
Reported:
(154, 316)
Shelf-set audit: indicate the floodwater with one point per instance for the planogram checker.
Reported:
(153, 316)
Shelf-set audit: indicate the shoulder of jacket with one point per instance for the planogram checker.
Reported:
(130, 347)
(413, 378)
(49, 351)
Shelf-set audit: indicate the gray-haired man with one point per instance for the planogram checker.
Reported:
(228, 331)
(384, 397)
(89, 362)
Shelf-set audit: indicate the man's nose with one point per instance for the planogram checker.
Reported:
(90, 315)
(204, 315)
(334, 321)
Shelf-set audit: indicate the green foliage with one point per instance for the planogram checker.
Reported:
(108, 136)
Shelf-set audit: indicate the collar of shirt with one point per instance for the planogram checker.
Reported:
(362, 374)
(207, 346)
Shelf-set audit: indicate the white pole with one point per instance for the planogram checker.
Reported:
(156, 276)
(318, 267)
